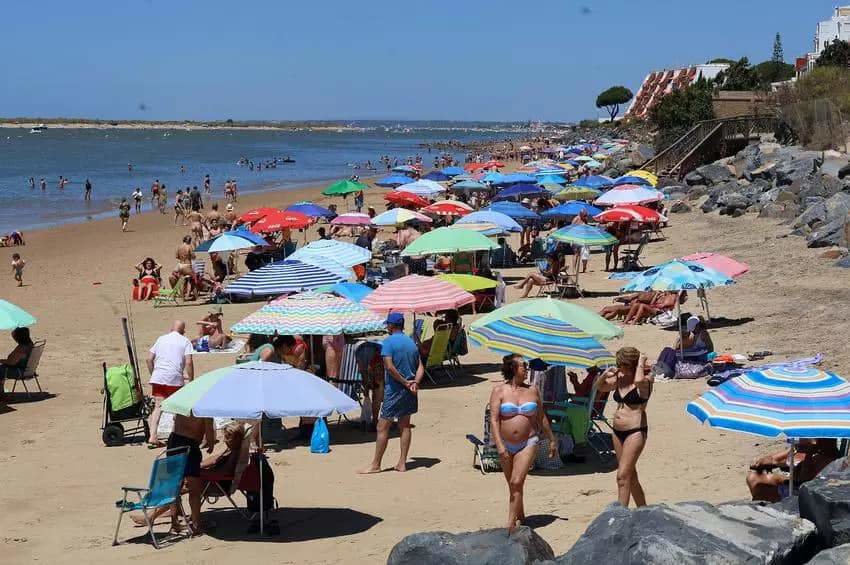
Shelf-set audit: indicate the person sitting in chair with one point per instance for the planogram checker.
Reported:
(692, 346)
(504, 256)
(766, 479)
(542, 277)
(16, 361)
(450, 318)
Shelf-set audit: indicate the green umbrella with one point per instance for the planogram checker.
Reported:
(577, 193)
(469, 283)
(12, 317)
(343, 187)
(448, 240)
(574, 315)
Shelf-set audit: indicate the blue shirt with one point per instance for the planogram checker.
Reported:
(405, 355)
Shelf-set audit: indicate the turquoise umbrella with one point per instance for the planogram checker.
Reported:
(12, 317)
(678, 275)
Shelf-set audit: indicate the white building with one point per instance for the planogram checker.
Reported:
(658, 84)
(837, 27)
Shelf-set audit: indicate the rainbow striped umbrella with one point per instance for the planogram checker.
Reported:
(795, 401)
(310, 314)
(583, 235)
(539, 337)
(417, 294)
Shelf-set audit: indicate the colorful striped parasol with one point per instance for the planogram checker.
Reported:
(399, 216)
(417, 294)
(283, 277)
(319, 251)
(352, 219)
(567, 312)
(583, 235)
(310, 313)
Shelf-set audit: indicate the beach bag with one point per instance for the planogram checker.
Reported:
(686, 370)
(121, 384)
(258, 470)
(320, 441)
(542, 460)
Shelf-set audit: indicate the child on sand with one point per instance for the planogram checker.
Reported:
(18, 265)
(124, 213)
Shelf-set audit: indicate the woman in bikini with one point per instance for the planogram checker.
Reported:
(516, 420)
(631, 383)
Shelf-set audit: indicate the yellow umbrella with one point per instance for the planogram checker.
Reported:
(653, 180)
(469, 283)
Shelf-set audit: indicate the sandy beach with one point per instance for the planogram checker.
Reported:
(60, 482)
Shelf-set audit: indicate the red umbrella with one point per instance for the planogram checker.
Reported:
(448, 208)
(495, 164)
(403, 198)
(256, 214)
(630, 213)
(280, 220)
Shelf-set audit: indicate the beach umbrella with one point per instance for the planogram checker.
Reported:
(595, 181)
(399, 216)
(516, 178)
(393, 181)
(448, 240)
(583, 159)
(245, 233)
(453, 171)
(629, 213)
(469, 283)
(468, 185)
(226, 241)
(255, 214)
(404, 169)
(593, 164)
(653, 180)
(490, 217)
(513, 209)
(448, 208)
(352, 219)
(577, 193)
(577, 316)
(402, 198)
(726, 265)
(484, 228)
(520, 191)
(252, 390)
(417, 294)
(310, 209)
(282, 277)
(353, 291)
(422, 188)
(630, 179)
(310, 314)
(346, 254)
(677, 275)
(551, 179)
(538, 337)
(280, 220)
(572, 208)
(343, 188)
(493, 177)
(437, 176)
(12, 316)
(629, 194)
(583, 235)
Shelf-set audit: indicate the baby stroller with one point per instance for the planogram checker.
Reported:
(125, 408)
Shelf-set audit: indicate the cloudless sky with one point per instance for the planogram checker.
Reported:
(370, 59)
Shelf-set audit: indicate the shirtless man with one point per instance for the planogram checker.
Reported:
(196, 226)
(230, 216)
(184, 262)
(213, 217)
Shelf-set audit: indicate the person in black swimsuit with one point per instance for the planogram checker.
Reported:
(631, 382)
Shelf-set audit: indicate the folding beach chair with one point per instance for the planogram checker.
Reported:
(438, 354)
(163, 490)
(484, 452)
(458, 348)
(631, 257)
(549, 286)
(171, 295)
(579, 417)
(30, 372)
(567, 283)
(349, 381)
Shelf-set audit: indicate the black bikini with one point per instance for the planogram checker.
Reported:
(632, 398)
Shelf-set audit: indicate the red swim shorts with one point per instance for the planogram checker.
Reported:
(163, 391)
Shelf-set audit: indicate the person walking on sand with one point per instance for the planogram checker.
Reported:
(18, 265)
(207, 187)
(124, 213)
(137, 199)
(170, 365)
(87, 193)
(403, 373)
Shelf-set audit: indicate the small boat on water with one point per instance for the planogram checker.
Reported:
(40, 128)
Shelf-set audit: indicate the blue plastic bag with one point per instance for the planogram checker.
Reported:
(320, 441)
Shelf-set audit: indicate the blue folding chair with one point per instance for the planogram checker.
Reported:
(163, 490)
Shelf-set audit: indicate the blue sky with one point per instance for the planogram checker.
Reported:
(337, 59)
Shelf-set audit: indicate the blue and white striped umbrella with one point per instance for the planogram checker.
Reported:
(282, 277)
(490, 217)
(795, 401)
(678, 275)
(346, 254)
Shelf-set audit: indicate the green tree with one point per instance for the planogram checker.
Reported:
(836, 54)
(680, 110)
(612, 98)
(772, 71)
(739, 76)
(778, 53)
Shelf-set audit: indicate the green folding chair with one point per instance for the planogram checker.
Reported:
(438, 356)
(170, 295)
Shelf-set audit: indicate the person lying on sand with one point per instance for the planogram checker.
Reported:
(626, 301)
(639, 312)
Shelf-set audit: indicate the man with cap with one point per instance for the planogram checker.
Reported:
(403, 373)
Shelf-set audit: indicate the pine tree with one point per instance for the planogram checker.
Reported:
(778, 54)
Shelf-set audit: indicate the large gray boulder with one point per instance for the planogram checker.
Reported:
(690, 533)
(827, 235)
(839, 555)
(733, 201)
(821, 212)
(679, 207)
(711, 174)
(484, 547)
(779, 211)
(797, 169)
(825, 501)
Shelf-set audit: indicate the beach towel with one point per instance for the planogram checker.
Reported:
(623, 276)
(234, 346)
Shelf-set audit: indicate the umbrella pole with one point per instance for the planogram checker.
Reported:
(260, 459)
(679, 316)
(791, 467)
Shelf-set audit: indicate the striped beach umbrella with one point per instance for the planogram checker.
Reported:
(399, 216)
(422, 187)
(417, 294)
(583, 235)
(629, 194)
(567, 312)
(346, 254)
(310, 314)
(678, 275)
(794, 401)
(282, 277)
(352, 219)
(227, 241)
(538, 337)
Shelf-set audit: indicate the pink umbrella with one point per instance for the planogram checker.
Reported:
(352, 219)
(417, 294)
(726, 265)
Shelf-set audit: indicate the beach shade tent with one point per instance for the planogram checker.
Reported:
(310, 313)
(353, 291)
(583, 235)
(346, 254)
(229, 241)
(12, 316)
(283, 277)
(514, 210)
(595, 181)
(538, 337)
(399, 216)
(493, 177)
(653, 180)
(393, 181)
(404, 169)
(726, 265)
(631, 179)
(417, 294)
(448, 208)
(577, 193)
(401, 198)
(426, 188)
(352, 219)
(503, 221)
(453, 171)
(468, 185)
(448, 241)
(252, 390)
(343, 188)
(795, 401)
(551, 179)
(516, 178)
(629, 213)
(567, 312)
(437, 176)
(280, 220)
(629, 194)
(255, 214)
(469, 283)
(522, 190)
(569, 209)
(310, 209)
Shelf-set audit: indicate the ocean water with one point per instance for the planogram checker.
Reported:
(102, 155)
